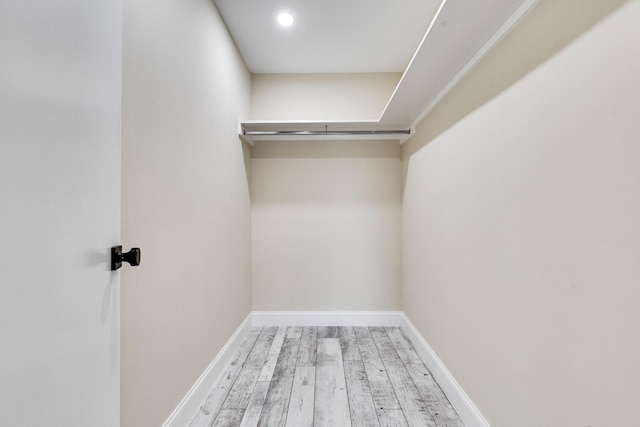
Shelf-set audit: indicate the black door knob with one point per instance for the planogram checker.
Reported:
(117, 257)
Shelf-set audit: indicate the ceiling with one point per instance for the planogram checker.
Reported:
(328, 36)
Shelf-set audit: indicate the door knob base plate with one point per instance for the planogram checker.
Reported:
(117, 257)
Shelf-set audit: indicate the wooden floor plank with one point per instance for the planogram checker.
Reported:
(294, 332)
(254, 409)
(240, 393)
(361, 406)
(403, 346)
(349, 343)
(382, 391)
(228, 418)
(445, 416)
(406, 391)
(437, 403)
(331, 404)
(276, 403)
(363, 412)
(386, 349)
(328, 332)
(301, 404)
(308, 346)
(366, 344)
(419, 419)
(355, 374)
(207, 412)
(261, 349)
(391, 418)
(272, 357)
(426, 385)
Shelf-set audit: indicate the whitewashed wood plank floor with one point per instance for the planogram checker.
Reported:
(326, 376)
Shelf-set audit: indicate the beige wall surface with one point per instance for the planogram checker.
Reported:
(326, 225)
(358, 96)
(521, 222)
(185, 201)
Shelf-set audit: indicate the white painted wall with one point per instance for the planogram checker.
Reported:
(60, 97)
(185, 201)
(521, 230)
(326, 225)
(357, 96)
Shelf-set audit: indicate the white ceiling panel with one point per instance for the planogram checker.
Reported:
(328, 36)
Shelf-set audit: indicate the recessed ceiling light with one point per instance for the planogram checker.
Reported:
(285, 19)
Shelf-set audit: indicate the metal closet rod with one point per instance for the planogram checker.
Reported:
(324, 132)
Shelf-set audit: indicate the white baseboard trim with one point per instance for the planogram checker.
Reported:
(469, 413)
(463, 405)
(187, 408)
(327, 318)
